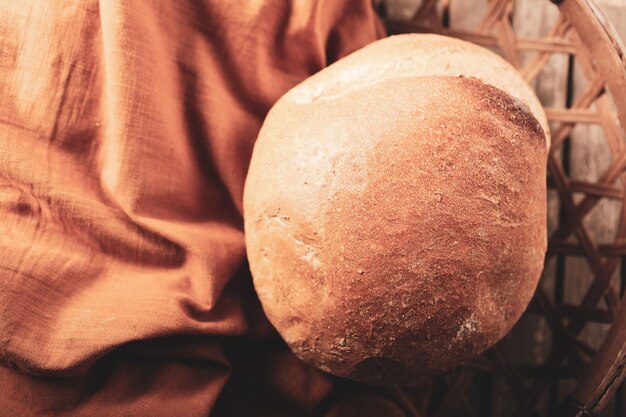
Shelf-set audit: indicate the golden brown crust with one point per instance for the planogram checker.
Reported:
(398, 230)
(418, 55)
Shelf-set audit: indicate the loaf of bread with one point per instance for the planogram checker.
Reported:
(395, 209)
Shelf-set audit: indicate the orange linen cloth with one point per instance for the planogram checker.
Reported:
(125, 134)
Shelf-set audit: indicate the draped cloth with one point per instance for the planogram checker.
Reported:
(126, 128)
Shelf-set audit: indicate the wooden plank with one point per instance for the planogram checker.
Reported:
(573, 115)
(593, 189)
(615, 250)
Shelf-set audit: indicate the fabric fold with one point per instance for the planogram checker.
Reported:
(126, 130)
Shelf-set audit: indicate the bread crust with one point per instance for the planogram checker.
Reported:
(419, 55)
(398, 229)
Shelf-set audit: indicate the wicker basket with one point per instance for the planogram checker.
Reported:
(584, 34)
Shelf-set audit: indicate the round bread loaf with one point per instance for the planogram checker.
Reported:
(396, 224)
